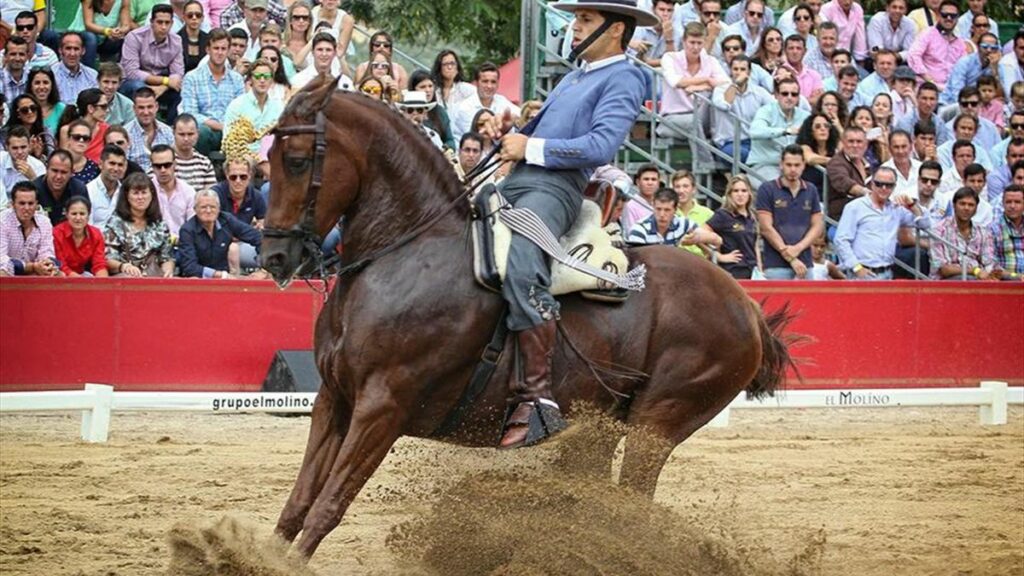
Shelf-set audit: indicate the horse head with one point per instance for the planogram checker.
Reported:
(302, 209)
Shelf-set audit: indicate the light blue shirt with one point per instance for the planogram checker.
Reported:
(137, 150)
(988, 134)
(942, 133)
(944, 154)
(998, 153)
(741, 28)
(963, 25)
(204, 97)
(768, 133)
(735, 14)
(1010, 70)
(870, 87)
(745, 105)
(587, 116)
(681, 16)
(247, 106)
(70, 84)
(965, 72)
(818, 62)
(866, 235)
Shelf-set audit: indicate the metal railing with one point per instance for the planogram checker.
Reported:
(538, 53)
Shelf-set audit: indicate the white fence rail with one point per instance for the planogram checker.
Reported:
(97, 401)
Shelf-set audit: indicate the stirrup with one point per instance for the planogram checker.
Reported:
(545, 420)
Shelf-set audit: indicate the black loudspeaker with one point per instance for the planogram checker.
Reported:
(292, 371)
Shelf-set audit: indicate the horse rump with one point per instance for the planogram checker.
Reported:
(775, 350)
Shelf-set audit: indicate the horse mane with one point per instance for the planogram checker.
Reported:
(399, 141)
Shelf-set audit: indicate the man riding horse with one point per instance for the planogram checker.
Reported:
(581, 126)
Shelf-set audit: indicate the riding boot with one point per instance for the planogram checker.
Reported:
(533, 414)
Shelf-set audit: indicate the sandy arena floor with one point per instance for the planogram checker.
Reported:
(876, 491)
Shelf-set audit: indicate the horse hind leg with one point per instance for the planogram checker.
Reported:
(375, 426)
(330, 421)
(672, 407)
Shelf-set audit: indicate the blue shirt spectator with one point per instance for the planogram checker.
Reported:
(795, 219)
(966, 72)
(250, 208)
(202, 252)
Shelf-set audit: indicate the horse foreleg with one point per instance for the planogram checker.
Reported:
(374, 428)
(326, 433)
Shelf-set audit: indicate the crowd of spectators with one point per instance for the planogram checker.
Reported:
(899, 124)
(135, 143)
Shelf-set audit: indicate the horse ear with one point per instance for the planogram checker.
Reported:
(314, 96)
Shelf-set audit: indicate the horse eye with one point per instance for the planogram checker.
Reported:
(296, 165)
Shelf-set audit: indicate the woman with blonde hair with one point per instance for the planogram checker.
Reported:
(736, 223)
(298, 34)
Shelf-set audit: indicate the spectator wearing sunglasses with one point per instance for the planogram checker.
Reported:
(970, 67)
(1016, 130)
(751, 27)
(866, 235)
(975, 20)
(194, 38)
(737, 12)
(937, 49)
(28, 27)
(968, 103)
(382, 43)
(238, 194)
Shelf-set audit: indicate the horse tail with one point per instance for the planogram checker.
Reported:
(775, 350)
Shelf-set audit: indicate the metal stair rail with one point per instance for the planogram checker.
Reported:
(537, 57)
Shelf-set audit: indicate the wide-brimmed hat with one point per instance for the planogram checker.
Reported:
(415, 99)
(624, 7)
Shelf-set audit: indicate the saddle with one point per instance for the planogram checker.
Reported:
(588, 240)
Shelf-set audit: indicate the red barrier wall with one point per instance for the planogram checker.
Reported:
(147, 334)
(204, 335)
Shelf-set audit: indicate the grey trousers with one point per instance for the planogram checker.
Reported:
(556, 197)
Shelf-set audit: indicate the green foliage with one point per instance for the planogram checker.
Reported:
(489, 28)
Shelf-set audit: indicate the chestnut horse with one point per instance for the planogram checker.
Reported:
(404, 328)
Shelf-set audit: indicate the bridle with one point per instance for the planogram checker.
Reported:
(306, 233)
(306, 230)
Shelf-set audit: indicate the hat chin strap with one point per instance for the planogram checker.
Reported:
(582, 46)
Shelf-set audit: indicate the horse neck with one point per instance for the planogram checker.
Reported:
(407, 187)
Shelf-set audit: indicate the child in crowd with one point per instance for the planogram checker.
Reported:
(991, 101)
(823, 269)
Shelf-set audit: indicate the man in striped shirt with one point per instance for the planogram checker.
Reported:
(665, 227)
(191, 166)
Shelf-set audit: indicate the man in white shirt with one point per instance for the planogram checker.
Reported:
(325, 61)
(906, 168)
(16, 164)
(103, 190)
(486, 97)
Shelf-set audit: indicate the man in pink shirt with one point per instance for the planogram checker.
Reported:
(687, 72)
(937, 49)
(809, 80)
(848, 16)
